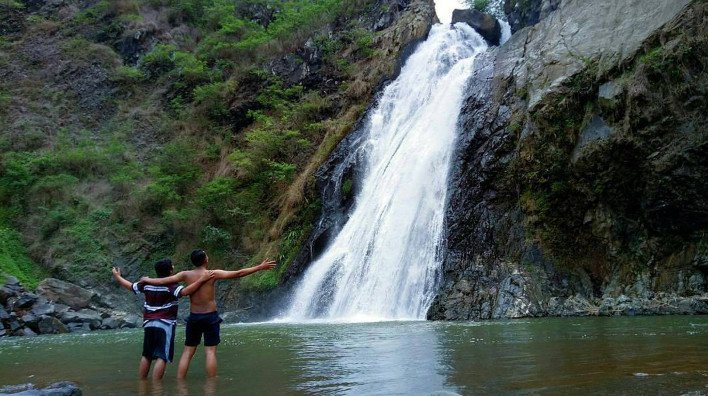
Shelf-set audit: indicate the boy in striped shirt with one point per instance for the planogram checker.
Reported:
(159, 316)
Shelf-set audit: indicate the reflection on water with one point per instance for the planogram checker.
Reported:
(554, 356)
(390, 358)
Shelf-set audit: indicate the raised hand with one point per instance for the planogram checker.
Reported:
(267, 264)
(116, 272)
(207, 275)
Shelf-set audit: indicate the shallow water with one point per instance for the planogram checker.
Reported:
(629, 355)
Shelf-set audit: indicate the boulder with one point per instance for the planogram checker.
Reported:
(131, 321)
(63, 388)
(3, 314)
(11, 288)
(44, 309)
(59, 309)
(13, 324)
(25, 332)
(25, 300)
(50, 325)
(522, 13)
(85, 316)
(30, 321)
(66, 293)
(110, 323)
(13, 389)
(486, 25)
(79, 327)
(5, 293)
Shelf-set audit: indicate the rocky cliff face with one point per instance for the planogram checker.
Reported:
(579, 184)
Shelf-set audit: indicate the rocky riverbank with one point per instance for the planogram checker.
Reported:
(56, 307)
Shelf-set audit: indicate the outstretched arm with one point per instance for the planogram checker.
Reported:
(196, 285)
(178, 277)
(265, 265)
(122, 281)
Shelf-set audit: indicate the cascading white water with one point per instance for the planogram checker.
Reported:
(384, 263)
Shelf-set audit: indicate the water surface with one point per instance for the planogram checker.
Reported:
(630, 355)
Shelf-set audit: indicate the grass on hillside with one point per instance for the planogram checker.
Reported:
(172, 162)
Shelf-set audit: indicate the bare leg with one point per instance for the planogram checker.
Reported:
(144, 388)
(184, 361)
(159, 370)
(210, 387)
(210, 354)
(182, 389)
(158, 387)
(144, 368)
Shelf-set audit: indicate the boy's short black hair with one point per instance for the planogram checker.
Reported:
(198, 256)
(163, 267)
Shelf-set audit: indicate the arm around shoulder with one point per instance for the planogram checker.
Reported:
(196, 285)
(178, 277)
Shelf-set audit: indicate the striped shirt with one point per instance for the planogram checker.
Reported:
(160, 301)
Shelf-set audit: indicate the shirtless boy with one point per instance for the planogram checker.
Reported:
(159, 316)
(203, 317)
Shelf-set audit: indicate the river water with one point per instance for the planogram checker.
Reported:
(627, 355)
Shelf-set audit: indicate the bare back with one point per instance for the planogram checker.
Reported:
(203, 300)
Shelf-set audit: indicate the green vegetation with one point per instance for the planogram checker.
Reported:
(480, 5)
(195, 144)
(12, 4)
(347, 187)
(15, 262)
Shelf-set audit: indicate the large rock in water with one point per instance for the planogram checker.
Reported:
(85, 316)
(63, 388)
(486, 25)
(66, 293)
(51, 325)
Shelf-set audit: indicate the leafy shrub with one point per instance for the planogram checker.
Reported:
(53, 187)
(480, 5)
(216, 196)
(212, 99)
(15, 261)
(174, 173)
(215, 238)
(189, 69)
(158, 61)
(128, 75)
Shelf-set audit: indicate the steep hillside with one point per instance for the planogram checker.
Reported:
(138, 129)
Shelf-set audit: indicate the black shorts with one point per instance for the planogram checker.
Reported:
(207, 324)
(159, 342)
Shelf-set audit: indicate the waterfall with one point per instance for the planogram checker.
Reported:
(384, 264)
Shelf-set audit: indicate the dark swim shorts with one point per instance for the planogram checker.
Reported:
(207, 324)
(159, 341)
